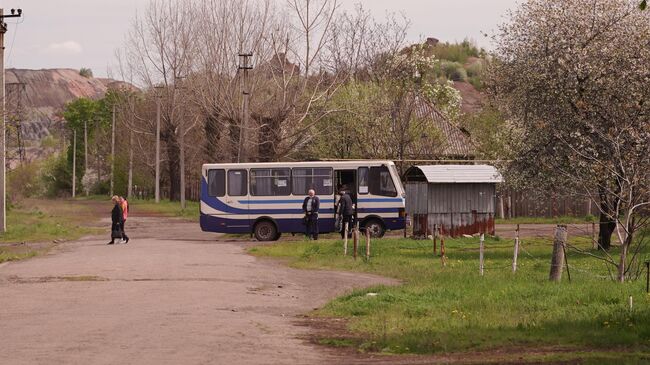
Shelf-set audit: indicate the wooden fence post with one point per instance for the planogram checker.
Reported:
(443, 259)
(355, 239)
(481, 248)
(516, 254)
(345, 239)
(367, 244)
(557, 260)
(434, 238)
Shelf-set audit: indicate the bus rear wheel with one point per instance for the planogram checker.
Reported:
(376, 228)
(266, 231)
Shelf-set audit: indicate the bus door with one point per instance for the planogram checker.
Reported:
(346, 179)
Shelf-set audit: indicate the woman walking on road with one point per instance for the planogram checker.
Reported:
(117, 220)
(124, 204)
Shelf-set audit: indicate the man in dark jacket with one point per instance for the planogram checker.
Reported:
(346, 210)
(310, 206)
(117, 220)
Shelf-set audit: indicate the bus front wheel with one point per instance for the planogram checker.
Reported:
(266, 231)
(376, 228)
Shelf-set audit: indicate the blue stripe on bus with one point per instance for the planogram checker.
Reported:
(210, 223)
(287, 201)
(380, 200)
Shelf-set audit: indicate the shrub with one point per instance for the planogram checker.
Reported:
(86, 72)
(453, 71)
(458, 52)
(56, 176)
(24, 182)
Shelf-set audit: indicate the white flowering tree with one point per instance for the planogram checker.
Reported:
(573, 77)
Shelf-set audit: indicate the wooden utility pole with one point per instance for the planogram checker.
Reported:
(244, 65)
(113, 152)
(3, 146)
(74, 163)
(85, 146)
(557, 260)
(129, 191)
(157, 194)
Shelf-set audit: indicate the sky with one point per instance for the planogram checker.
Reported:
(86, 33)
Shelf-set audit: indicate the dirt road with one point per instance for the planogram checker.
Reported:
(173, 295)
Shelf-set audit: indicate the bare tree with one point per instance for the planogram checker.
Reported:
(160, 51)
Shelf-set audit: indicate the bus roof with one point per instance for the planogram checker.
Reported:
(335, 164)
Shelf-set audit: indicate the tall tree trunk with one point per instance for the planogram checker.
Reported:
(212, 138)
(173, 170)
(267, 140)
(181, 146)
(607, 225)
(233, 134)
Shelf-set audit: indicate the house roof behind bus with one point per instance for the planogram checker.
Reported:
(261, 165)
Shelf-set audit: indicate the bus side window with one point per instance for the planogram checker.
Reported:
(381, 182)
(217, 183)
(363, 180)
(270, 182)
(237, 182)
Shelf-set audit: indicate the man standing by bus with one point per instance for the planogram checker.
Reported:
(346, 210)
(310, 206)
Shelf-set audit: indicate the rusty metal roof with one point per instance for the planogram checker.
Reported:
(456, 142)
(461, 173)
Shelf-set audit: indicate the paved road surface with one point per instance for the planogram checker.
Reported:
(173, 295)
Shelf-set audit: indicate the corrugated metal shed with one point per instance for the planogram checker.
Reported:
(454, 199)
(461, 174)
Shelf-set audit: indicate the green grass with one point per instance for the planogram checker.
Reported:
(34, 225)
(453, 309)
(166, 208)
(7, 254)
(548, 220)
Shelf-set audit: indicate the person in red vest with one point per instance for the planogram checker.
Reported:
(124, 204)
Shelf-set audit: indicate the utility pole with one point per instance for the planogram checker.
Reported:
(3, 146)
(113, 151)
(74, 163)
(244, 65)
(158, 145)
(129, 191)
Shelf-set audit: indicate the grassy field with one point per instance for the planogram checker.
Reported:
(164, 208)
(33, 225)
(452, 309)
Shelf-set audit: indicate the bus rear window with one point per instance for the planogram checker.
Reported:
(381, 182)
(217, 182)
(270, 182)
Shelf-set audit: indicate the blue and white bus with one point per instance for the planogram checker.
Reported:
(265, 199)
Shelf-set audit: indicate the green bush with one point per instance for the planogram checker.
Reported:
(24, 182)
(458, 52)
(56, 176)
(475, 69)
(453, 71)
